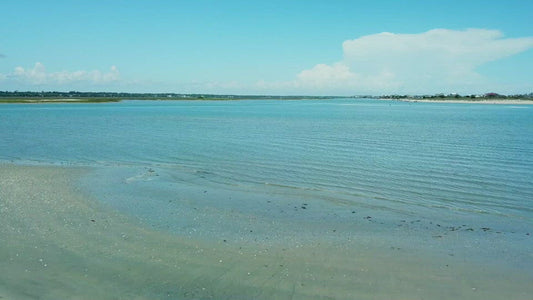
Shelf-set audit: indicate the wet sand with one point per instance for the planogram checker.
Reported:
(58, 243)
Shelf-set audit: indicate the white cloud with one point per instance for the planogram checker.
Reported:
(39, 76)
(436, 60)
(323, 74)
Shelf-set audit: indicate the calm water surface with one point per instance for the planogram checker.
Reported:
(422, 172)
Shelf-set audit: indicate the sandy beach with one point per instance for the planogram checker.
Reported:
(475, 101)
(58, 243)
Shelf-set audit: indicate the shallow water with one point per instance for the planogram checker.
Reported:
(446, 184)
(62, 244)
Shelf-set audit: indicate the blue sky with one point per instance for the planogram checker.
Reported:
(268, 47)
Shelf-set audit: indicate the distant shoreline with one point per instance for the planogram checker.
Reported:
(57, 100)
(468, 101)
(115, 99)
(35, 100)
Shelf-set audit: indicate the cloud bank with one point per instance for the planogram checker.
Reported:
(436, 60)
(39, 76)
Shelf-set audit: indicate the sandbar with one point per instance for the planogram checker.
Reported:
(57, 242)
(468, 101)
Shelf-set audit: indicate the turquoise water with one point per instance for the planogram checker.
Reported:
(455, 179)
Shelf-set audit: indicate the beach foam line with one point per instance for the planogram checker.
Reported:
(57, 243)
